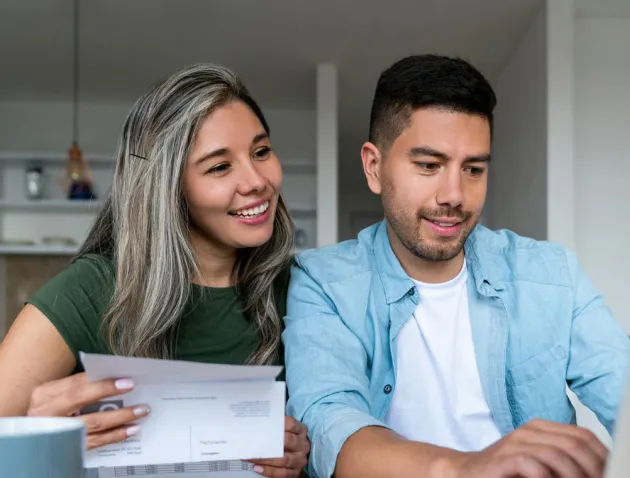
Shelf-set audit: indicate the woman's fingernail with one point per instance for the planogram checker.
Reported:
(133, 430)
(258, 469)
(124, 384)
(141, 410)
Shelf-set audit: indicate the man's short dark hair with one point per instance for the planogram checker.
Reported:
(423, 81)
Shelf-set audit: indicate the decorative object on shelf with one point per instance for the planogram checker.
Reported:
(300, 237)
(34, 182)
(79, 181)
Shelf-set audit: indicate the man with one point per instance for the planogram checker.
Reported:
(432, 346)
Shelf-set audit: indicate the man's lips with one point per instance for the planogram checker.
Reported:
(445, 227)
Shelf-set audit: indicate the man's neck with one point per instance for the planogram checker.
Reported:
(422, 270)
(216, 265)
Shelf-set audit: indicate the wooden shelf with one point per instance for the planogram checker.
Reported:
(84, 205)
(19, 158)
(37, 205)
(37, 249)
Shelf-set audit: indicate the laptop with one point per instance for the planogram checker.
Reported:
(618, 465)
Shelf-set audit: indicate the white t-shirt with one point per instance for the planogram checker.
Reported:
(438, 397)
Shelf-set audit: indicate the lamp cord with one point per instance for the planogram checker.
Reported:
(75, 124)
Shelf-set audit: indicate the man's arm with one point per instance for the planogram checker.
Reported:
(328, 384)
(600, 350)
(328, 387)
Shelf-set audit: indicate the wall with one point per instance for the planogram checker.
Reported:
(602, 156)
(46, 127)
(517, 197)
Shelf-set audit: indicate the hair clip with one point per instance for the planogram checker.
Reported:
(137, 156)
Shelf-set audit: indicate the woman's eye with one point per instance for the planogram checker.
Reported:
(262, 152)
(219, 168)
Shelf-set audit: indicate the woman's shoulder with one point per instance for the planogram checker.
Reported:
(76, 299)
(85, 272)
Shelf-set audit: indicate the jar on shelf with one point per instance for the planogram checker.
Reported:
(34, 182)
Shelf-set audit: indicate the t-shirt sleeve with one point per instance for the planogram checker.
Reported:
(75, 301)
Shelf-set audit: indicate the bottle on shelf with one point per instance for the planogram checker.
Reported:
(79, 182)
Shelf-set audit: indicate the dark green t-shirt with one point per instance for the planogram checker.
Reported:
(213, 328)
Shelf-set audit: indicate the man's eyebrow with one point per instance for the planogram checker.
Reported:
(434, 153)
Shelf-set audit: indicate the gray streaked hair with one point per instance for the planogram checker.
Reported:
(144, 224)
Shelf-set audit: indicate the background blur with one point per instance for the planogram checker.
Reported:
(561, 69)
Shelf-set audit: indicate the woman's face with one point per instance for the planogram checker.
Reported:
(232, 180)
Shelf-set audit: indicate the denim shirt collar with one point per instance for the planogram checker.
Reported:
(481, 261)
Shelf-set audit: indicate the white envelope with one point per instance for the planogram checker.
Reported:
(203, 416)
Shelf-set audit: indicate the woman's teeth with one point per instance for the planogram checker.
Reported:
(252, 212)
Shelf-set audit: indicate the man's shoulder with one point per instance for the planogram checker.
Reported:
(506, 241)
(339, 261)
(517, 257)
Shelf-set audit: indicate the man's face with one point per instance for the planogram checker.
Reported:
(433, 181)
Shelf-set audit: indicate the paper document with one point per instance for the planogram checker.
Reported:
(215, 469)
(203, 417)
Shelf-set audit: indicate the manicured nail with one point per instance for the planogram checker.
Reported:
(141, 410)
(258, 469)
(124, 384)
(133, 430)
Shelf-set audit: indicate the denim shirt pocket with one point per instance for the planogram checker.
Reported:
(532, 369)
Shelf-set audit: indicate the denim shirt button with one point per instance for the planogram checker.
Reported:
(387, 389)
(411, 291)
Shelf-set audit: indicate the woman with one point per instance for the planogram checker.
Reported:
(187, 260)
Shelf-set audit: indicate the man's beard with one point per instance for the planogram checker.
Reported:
(440, 249)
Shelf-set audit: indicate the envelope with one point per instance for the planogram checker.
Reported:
(203, 416)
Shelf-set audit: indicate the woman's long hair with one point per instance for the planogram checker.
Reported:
(144, 225)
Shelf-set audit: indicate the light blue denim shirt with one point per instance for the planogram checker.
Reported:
(538, 324)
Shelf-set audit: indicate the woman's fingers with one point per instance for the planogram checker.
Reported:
(69, 395)
(102, 421)
(95, 440)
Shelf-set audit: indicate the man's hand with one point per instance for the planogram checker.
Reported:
(539, 449)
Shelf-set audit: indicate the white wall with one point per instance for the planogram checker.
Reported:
(602, 156)
(560, 122)
(327, 155)
(517, 197)
(47, 127)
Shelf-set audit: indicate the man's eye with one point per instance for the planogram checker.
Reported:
(428, 166)
(476, 171)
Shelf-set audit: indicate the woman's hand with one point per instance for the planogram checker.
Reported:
(296, 450)
(68, 396)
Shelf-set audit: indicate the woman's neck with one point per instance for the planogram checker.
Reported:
(216, 265)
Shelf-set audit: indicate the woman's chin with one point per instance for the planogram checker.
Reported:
(253, 241)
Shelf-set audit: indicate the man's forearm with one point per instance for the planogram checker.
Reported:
(375, 452)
